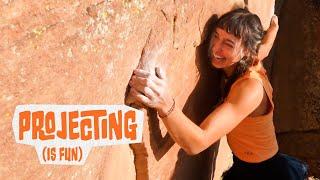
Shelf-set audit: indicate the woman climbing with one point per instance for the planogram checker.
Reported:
(237, 46)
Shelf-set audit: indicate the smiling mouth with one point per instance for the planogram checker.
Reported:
(219, 58)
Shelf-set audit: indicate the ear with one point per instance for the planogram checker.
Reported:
(244, 53)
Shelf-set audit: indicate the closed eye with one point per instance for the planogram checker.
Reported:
(229, 45)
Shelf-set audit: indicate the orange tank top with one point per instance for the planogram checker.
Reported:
(254, 139)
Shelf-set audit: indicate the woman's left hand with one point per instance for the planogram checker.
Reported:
(268, 39)
(151, 90)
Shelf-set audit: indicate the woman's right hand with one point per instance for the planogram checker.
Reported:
(151, 90)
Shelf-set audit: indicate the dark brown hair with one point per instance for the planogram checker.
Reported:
(247, 26)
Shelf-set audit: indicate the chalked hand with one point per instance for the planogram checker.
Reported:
(151, 89)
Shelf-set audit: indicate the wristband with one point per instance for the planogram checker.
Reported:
(170, 110)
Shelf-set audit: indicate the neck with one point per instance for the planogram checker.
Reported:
(228, 71)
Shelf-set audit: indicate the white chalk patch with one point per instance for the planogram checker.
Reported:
(84, 48)
(69, 53)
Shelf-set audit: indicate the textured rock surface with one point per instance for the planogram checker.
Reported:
(83, 52)
(296, 67)
(264, 9)
(296, 77)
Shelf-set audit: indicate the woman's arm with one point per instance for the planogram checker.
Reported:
(268, 39)
(243, 99)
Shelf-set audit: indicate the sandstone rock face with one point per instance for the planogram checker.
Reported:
(295, 79)
(83, 52)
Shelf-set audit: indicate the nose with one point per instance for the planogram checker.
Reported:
(216, 48)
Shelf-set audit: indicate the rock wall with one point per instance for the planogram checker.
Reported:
(295, 79)
(83, 52)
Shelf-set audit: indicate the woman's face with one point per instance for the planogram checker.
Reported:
(226, 49)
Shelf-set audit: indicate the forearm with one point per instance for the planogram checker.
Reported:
(184, 132)
(270, 36)
(267, 42)
(152, 92)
